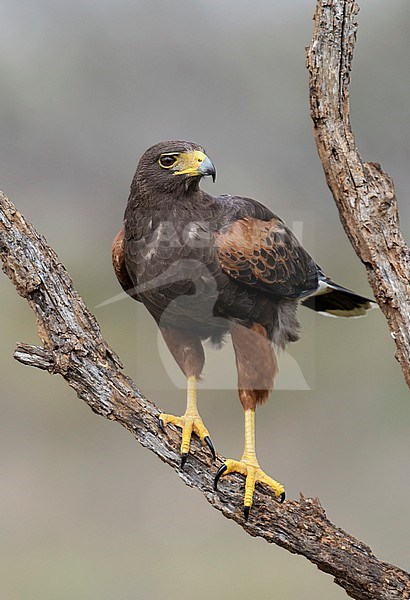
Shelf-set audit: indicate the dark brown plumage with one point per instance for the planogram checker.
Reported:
(206, 266)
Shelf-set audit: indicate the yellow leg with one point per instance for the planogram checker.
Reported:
(249, 467)
(189, 422)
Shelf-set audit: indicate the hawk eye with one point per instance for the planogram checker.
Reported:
(167, 160)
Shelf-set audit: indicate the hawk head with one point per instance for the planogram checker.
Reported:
(172, 166)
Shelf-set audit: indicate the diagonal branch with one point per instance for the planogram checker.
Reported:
(74, 348)
(363, 192)
(72, 344)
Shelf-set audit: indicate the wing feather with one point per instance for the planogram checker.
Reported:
(266, 255)
(118, 262)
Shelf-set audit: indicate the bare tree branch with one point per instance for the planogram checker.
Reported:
(363, 192)
(74, 348)
(72, 344)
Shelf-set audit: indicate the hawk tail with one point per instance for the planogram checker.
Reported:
(333, 300)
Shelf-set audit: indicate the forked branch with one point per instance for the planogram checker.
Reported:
(72, 346)
(363, 192)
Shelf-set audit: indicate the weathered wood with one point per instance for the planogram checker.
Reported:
(363, 192)
(74, 348)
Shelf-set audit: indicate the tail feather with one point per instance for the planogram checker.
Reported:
(334, 300)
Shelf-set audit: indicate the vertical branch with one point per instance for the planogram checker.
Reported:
(363, 192)
(74, 348)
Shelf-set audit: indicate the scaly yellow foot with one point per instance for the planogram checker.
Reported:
(253, 473)
(190, 423)
(249, 467)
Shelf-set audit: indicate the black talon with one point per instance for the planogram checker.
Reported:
(184, 457)
(219, 474)
(246, 510)
(161, 424)
(282, 497)
(210, 445)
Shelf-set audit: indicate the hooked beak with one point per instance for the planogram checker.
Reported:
(196, 164)
(207, 168)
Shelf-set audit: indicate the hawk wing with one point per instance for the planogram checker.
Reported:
(120, 268)
(266, 255)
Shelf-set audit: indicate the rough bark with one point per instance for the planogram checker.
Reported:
(72, 346)
(363, 192)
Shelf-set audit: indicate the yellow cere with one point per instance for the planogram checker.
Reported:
(189, 162)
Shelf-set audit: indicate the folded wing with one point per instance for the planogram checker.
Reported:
(266, 255)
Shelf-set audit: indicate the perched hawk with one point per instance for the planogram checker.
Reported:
(207, 266)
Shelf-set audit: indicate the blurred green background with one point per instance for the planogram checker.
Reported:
(86, 87)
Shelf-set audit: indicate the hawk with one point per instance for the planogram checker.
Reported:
(207, 266)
